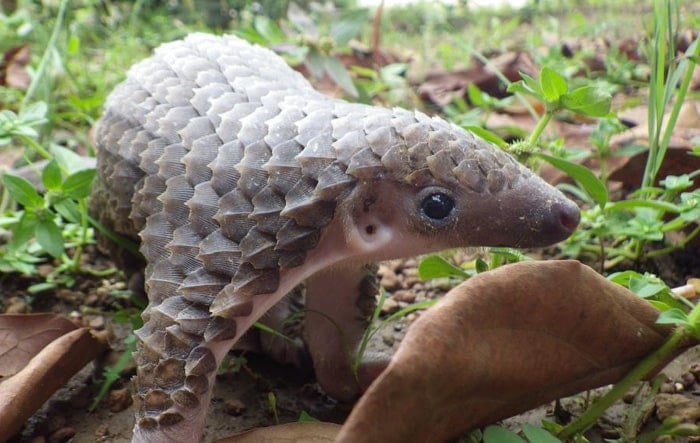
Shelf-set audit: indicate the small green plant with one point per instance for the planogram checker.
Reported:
(375, 325)
(387, 86)
(58, 219)
(316, 39)
(128, 311)
(497, 434)
(272, 402)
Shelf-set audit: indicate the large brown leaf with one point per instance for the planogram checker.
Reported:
(501, 343)
(307, 432)
(23, 393)
(22, 336)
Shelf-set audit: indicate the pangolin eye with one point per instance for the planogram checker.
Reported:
(437, 206)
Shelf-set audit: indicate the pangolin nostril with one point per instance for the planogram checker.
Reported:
(569, 216)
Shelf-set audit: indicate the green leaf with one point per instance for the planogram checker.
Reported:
(594, 187)
(552, 84)
(336, 70)
(520, 87)
(314, 62)
(22, 191)
(496, 434)
(69, 161)
(23, 231)
(268, 29)
(476, 97)
(51, 176)
(538, 435)
(645, 286)
(487, 135)
(271, 331)
(348, 26)
(588, 100)
(651, 204)
(434, 266)
(68, 210)
(480, 265)
(661, 306)
(691, 205)
(79, 184)
(531, 82)
(34, 114)
(673, 316)
(511, 254)
(305, 417)
(73, 44)
(302, 21)
(49, 237)
(677, 183)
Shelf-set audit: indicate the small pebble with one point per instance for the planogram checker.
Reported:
(119, 399)
(44, 270)
(686, 409)
(610, 433)
(688, 380)
(81, 397)
(16, 305)
(97, 322)
(102, 431)
(667, 388)
(695, 370)
(390, 306)
(234, 407)
(67, 295)
(411, 277)
(388, 338)
(405, 295)
(62, 435)
(389, 280)
(92, 299)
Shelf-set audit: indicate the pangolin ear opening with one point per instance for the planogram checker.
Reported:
(368, 234)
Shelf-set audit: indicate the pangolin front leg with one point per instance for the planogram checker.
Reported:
(243, 182)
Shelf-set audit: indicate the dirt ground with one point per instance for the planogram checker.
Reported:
(242, 398)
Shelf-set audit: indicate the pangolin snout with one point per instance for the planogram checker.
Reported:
(569, 216)
(560, 221)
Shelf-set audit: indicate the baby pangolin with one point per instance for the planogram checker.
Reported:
(243, 182)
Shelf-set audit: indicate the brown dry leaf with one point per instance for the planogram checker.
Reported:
(629, 169)
(22, 336)
(307, 432)
(14, 68)
(23, 393)
(442, 87)
(501, 343)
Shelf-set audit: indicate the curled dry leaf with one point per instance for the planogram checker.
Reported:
(23, 393)
(627, 169)
(13, 71)
(501, 343)
(22, 336)
(307, 432)
(441, 87)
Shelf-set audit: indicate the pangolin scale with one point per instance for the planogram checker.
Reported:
(242, 182)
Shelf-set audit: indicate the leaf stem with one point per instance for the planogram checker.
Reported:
(541, 124)
(653, 360)
(48, 53)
